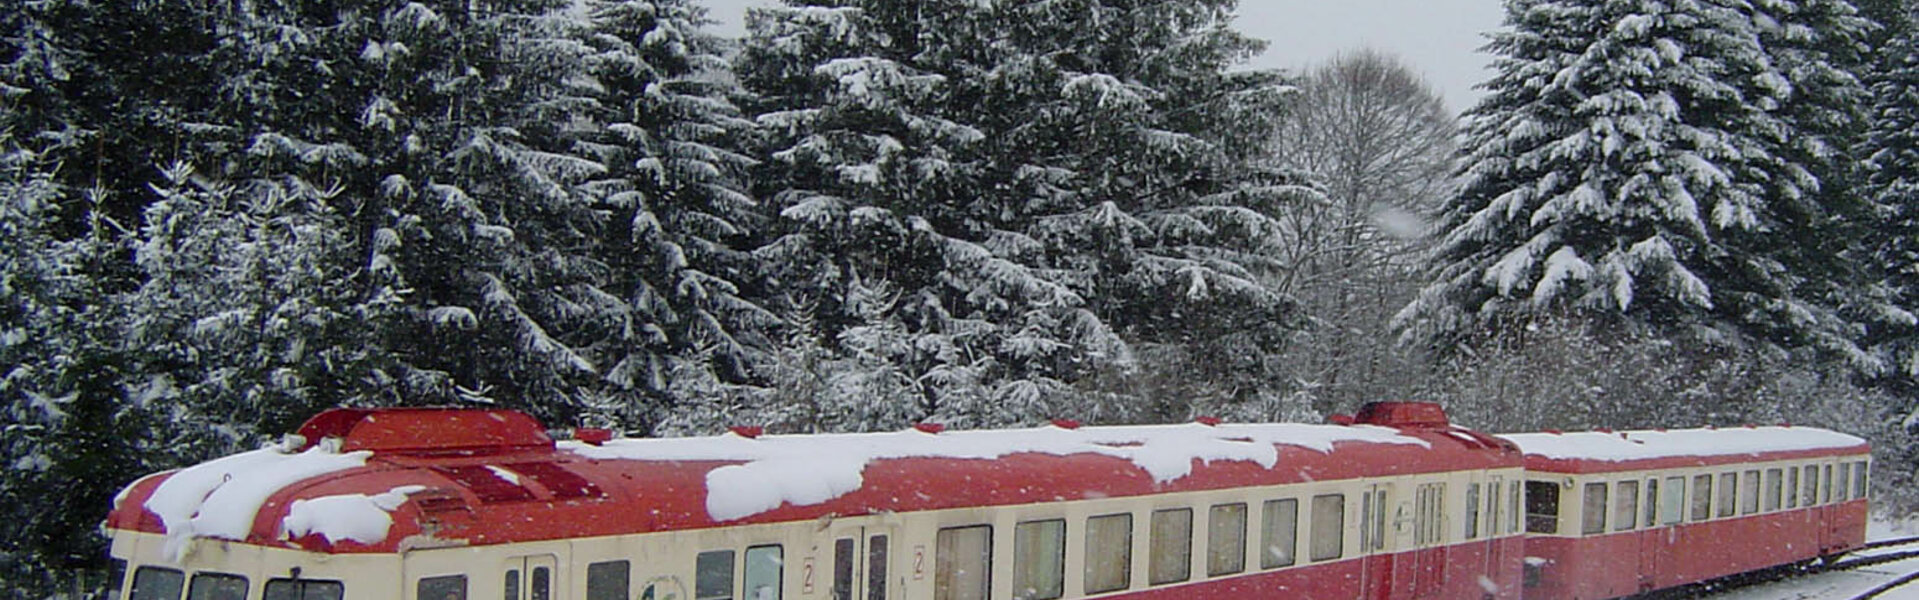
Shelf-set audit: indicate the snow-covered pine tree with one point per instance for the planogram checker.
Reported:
(1892, 153)
(1121, 137)
(1033, 183)
(685, 333)
(871, 181)
(1635, 163)
(62, 364)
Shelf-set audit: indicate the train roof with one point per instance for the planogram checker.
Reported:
(1608, 451)
(390, 480)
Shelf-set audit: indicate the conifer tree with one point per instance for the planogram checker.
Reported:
(1892, 153)
(1019, 178)
(684, 329)
(1652, 164)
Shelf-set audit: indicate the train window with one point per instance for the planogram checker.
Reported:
(963, 568)
(1859, 480)
(713, 575)
(607, 580)
(843, 556)
(1542, 507)
(1728, 493)
(304, 589)
(1472, 511)
(1494, 511)
(157, 583)
(764, 568)
(1775, 489)
(1513, 508)
(1792, 487)
(217, 586)
(1328, 526)
(540, 584)
(1109, 553)
(1810, 486)
(1825, 486)
(1226, 540)
(1749, 493)
(1701, 497)
(1672, 501)
(1843, 483)
(512, 584)
(1171, 558)
(1279, 531)
(1039, 560)
(1594, 509)
(1652, 502)
(1625, 514)
(435, 588)
(876, 568)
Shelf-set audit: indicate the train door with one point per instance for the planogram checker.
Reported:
(855, 563)
(1382, 575)
(1490, 523)
(534, 577)
(1428, 570)
(1661, 507)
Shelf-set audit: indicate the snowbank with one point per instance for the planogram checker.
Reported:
(1634, 445)
(220, 498)
(806, 470)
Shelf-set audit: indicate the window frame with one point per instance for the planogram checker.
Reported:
(1027, 565)
(1267, 521)
(1541, 494)
(1327, 543)
(1169, 559)
(1122, 551)
(1226, 554)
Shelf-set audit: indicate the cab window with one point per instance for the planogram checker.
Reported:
(157, 583)
(448, 587)
(607, 580)
(304, 589)
(1542, 507)
(713, 576)
(217, 586)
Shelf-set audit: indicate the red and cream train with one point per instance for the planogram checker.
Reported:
(1396, 503)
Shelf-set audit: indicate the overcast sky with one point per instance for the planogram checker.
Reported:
(1439, 38)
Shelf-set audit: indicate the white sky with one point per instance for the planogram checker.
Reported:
(1439, 38)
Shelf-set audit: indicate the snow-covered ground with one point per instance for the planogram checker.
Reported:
(1842, 584)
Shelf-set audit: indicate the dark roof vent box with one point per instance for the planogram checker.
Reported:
(427, 430)
(1403, 414)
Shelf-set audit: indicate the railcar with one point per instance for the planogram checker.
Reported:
(1616, 514)
(437, 504)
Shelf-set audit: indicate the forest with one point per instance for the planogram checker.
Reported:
(218, 218)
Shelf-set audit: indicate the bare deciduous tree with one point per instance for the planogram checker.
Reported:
(1381, 141)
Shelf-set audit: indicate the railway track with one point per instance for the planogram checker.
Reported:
(1908, 548)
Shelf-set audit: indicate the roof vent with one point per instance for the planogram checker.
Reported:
(1402, 414)
(933, 428)
(1066, 423)
(1208, 421)
(593, 436)
(751, 432)
(427, 430)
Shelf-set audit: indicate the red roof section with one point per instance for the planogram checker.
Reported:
(561, 494)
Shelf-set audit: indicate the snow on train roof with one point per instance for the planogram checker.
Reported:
(813, 469)
(1637, 445)
(221, 497)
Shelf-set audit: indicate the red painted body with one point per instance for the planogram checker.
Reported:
(1633, 562)
(564, 495)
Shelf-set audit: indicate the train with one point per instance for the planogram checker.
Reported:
(1392, 503)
